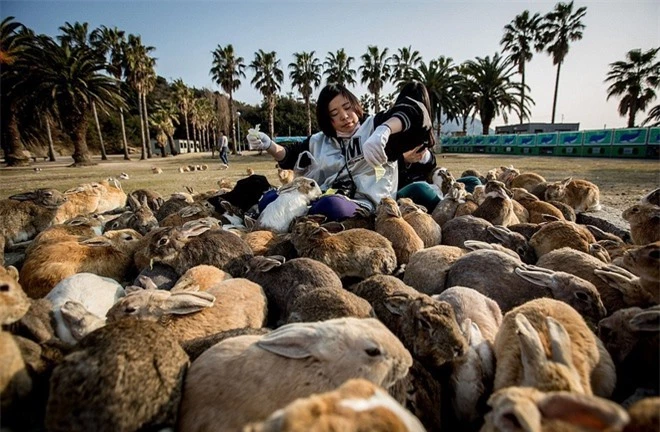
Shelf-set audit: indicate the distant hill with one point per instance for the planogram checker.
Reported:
(474, 127)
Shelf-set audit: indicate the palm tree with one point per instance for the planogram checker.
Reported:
(465, 100)
(13, 43)
(521, 36)
(305, 75)
(490, 82)
(636, 80)
(163, 119)
(653, 119)
(76, 36)
(70, 79)
(267, 79)
(440, 78)
(111, 42)
(183, 97)
(138, 67)
(560, 27)
(405, 60)
(338, 68)
(375, 71)
(227, 72)
(367, 102)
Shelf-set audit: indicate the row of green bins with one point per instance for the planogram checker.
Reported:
(597, 143)
(569, 144)
(493, 145)
(508, 143)
(629, 143)
(479, 143)
(526, 145)
(653, 144)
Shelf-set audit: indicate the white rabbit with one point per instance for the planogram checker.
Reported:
(291, 202)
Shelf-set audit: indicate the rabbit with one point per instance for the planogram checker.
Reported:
(546, 344)
(156, 170)
(285, 176)
(441, 181)
(426, 228)
(581, 195)
(197, 243)
(391, 225)
(497, 208)
(558, 234)
(82, 200)
(535, 207)
(292, 201)
(652, 198)
(644, 222)
(527, 181)
(153, 198)
(446, 209)
(112, 195)
(124, 376)
(140, 218)
(246, 378)
(15, 381)
(109, 255)
(355, 252)
(26, 215)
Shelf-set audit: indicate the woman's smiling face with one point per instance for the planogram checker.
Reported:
(342, 115)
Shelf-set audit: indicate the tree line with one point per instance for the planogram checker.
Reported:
(59, 86)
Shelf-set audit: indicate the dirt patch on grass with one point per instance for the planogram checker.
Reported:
(621, 181)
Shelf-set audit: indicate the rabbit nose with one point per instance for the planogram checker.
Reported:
(459, 351)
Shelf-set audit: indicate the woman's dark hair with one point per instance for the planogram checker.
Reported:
(418, 92)
(328, 93)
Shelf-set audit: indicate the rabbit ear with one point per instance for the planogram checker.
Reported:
(501, 233)
(266, 264)
(133, 289)
(27, 196)
(476, 245)
(334, 227)
(536, 275)
(250, 223)
(12, 272)
(560, 343)
(583, 411)
(648, 321)
(186, 302)
(566, 181)
(133, 202)
(532, 353)
(189, 211)
(289, 187)
(294, 341)
(320, 232)
(147, 282)
(397, 304)
(98, 241)
(549, 218)
(616, 277)
(515, 416)
(194, 230)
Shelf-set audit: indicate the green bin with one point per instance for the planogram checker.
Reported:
(508, 143)
(597, 143)
(653, 143)
(479, 143)
(629, 143)
(569, 144)
(493, 144)
(466, 144)
(546, 142)
(526, 145)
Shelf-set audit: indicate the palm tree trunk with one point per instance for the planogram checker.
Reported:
(522, 94)
(146, 125)
(185, 117)
(123, 134)
(232, 145)
(632, 113)
(271, 116)
(170, 141)
(104, 155)
(194, 139)
(309, 116)
(554, 101)
(51, 146)
(376, 102)
(143, 156)
(17, 156)
(79, 138)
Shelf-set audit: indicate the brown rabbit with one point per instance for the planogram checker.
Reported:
(354, 252)
(426, 228)
(26, 215)
(644, 222)
(535, 207)
(284, 175)
(391, 225)
(527, 181)
(581, 195)
(497, 208)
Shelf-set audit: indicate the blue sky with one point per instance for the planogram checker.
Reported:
(185, 33)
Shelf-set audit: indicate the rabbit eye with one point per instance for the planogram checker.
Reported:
(130, 309)
(372, 352)
(582, 296)
(163, 242)
(4, 288)
(48, 194)
(521, 251)
(128, 237)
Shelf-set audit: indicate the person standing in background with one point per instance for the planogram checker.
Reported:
(224, 148)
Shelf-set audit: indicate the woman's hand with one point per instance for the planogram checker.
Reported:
(259, 142)
(373, 148)
(415, 155)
